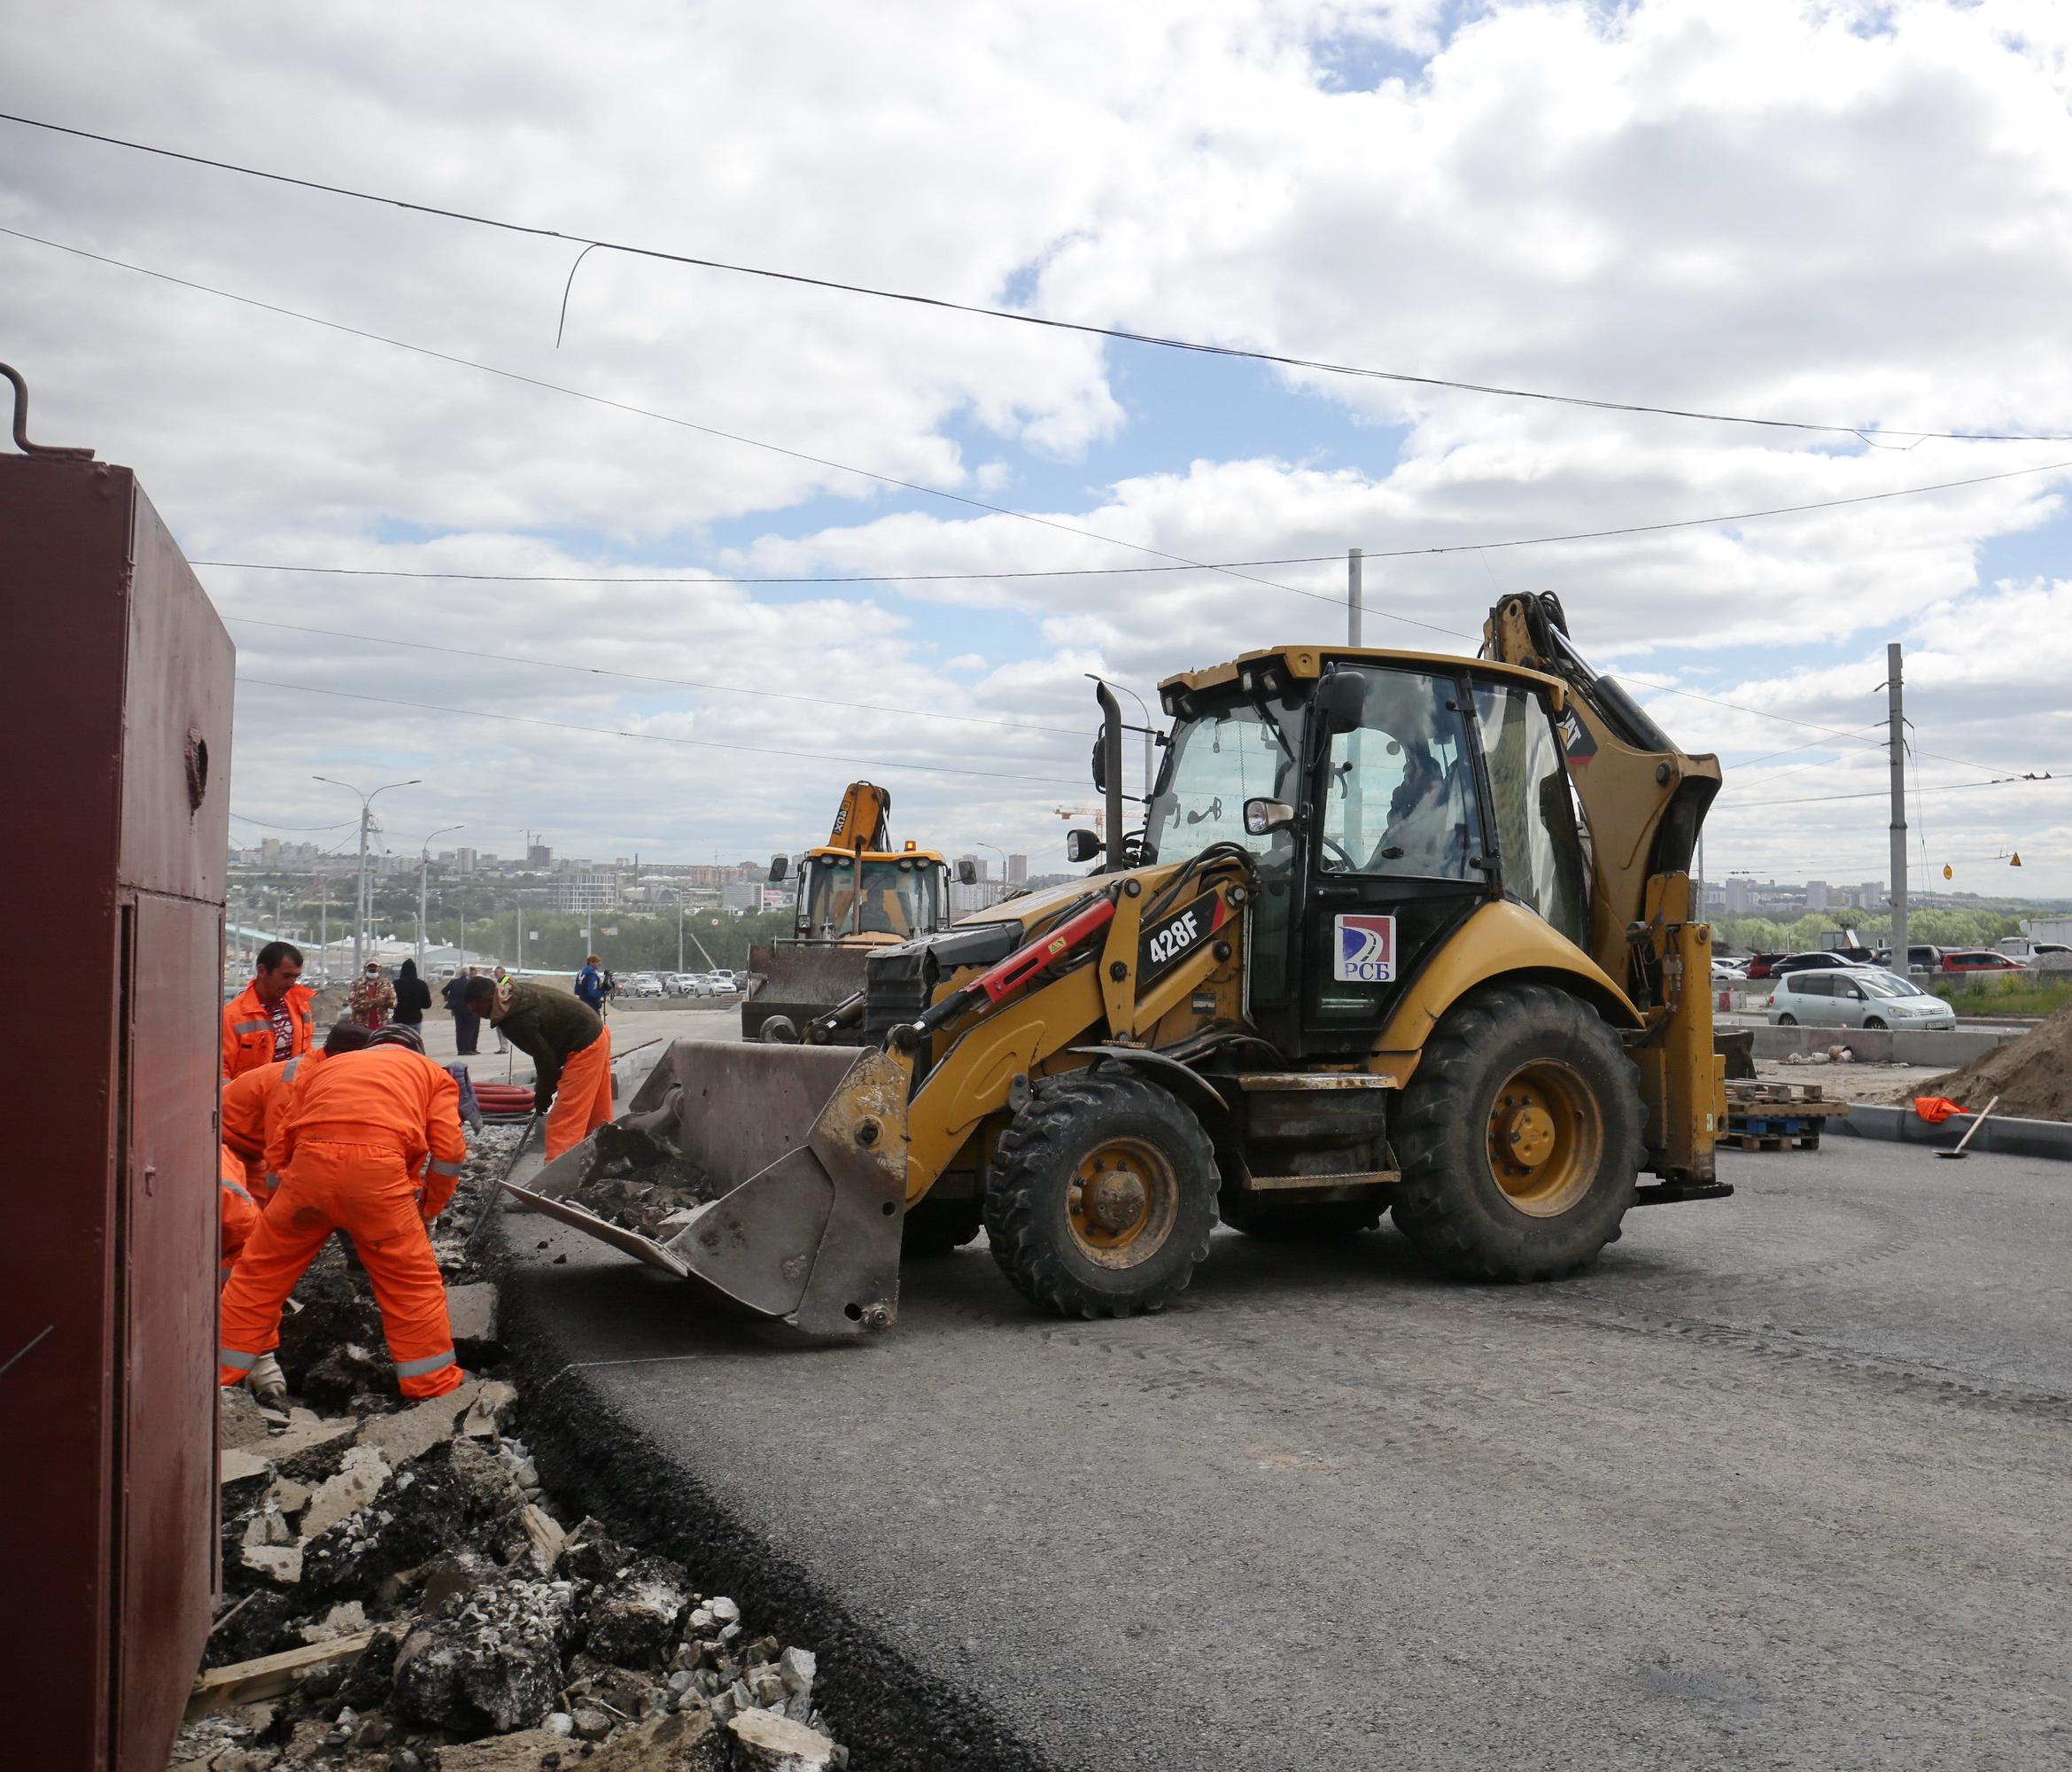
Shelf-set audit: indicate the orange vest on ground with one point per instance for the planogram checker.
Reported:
(248, 1030)
(384, 1095)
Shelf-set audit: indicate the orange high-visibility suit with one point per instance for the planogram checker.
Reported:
(239, 1212)
(248, 1029)
(253, 1103)
(582, 1098)
(352, 1153)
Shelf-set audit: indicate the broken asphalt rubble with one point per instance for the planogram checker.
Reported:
(402, 1596)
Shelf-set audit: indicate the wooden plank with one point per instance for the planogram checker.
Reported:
(246, 1683)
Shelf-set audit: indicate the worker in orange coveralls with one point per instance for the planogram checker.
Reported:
(254, 1100)
(569, 1047)
(372, 1144)
(239, 1217)
(270, 1020)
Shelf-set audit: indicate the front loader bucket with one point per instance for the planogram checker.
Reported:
(813, 1141)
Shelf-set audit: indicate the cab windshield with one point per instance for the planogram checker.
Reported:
(897, 897)
(1214, 763)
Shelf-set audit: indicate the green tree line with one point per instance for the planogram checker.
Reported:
(1939, 928)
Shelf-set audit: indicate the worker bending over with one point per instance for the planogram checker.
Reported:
(270, 1020)
(570, 1050)
(371, 1143)
(254, 1100)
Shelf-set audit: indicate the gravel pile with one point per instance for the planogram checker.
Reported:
(438, 1610)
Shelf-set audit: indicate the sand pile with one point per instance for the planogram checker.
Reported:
(2032, 1076)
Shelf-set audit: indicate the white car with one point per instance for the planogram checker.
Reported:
(1855, 997)
(643, 985)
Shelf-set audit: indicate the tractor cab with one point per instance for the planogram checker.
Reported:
(1383, 798)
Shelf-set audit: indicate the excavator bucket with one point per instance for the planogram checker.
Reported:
(807, 1146)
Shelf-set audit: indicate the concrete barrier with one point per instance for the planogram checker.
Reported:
(2049, 1139)
(1941, 1050)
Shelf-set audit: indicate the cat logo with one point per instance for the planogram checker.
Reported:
(1173, 937)
(1575, 737)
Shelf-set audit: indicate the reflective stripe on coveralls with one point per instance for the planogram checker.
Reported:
(349, 1153)
(582, 1098)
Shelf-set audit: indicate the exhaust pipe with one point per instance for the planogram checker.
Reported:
(1111, 771)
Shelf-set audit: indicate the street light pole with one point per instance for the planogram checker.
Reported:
(423, 875)
(1003, 855)
(360, 900)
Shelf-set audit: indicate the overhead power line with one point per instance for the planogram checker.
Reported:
(1821, 800)
(663, 738)
(673, 682)
(264, 824)
(1180, 561)
(589, 243)
(668, 418)
(1121, 572)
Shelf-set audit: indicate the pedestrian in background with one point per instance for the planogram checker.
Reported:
(499, 977)
(270, 1020)
(590, 985)
(372, 998)
(412, 996)
(467, 1024)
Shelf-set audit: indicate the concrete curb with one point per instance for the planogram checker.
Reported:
(2049, 1139)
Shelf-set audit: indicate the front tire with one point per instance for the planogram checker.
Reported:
(1101, 1196)
(1519, 1139)
(1874, 1024)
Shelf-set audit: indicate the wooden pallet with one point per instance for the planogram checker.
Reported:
(1769, 1141)
(1804, 1100)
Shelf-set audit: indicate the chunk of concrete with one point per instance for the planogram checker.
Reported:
(488, 1660)
(766, 1742)
(471, 1311)
(672, 1741)
(411, 1432)
(495, 1404)
(347, 1618)
(279, 1564)
(631, 1620)
(525, 1751)
(242, 1424)
(532, 1538)
(358, 1481)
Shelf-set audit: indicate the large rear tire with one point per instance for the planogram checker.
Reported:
(1520, 1137)
(1101, 1196)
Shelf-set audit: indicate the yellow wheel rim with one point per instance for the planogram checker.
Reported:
(1121, 1203)
(1546, 1137)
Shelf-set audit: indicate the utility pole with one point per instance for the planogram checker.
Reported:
(361, 902)
(1356, 807)
(1896, 721)
(1352, 596)
(423, 873)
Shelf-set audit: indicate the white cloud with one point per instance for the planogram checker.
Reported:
(1840, 211)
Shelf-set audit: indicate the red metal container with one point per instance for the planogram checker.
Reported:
(116, 725)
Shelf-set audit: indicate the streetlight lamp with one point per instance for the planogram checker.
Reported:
(366, 824)
(1003, 855)
(423, 872)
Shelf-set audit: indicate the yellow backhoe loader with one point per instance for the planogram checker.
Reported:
(1400, 932)
(855, 892)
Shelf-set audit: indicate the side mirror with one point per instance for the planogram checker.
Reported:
(1341, 699)
(1082, 845)
(967, 872)
(780, 866)
(1100, 762)
(1264, 817)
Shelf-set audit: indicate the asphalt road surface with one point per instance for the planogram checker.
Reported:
(1785, 1481)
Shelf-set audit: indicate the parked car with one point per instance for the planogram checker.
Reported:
(1759, 964)
(1809, 961)
(1855, 997)
(1980, 959)
(643, 985)
(1729, 971)
(1921, 957)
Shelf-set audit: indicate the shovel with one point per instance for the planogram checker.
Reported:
(1957, 1155)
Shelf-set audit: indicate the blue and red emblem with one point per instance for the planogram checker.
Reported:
(1366, 949)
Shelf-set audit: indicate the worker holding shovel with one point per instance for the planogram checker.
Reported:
(570, 1050)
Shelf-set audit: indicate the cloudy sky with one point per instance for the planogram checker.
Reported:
(1851, 215)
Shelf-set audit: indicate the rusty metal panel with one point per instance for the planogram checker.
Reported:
(106, 1334)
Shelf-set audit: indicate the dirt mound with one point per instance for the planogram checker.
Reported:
(2032, 1076)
